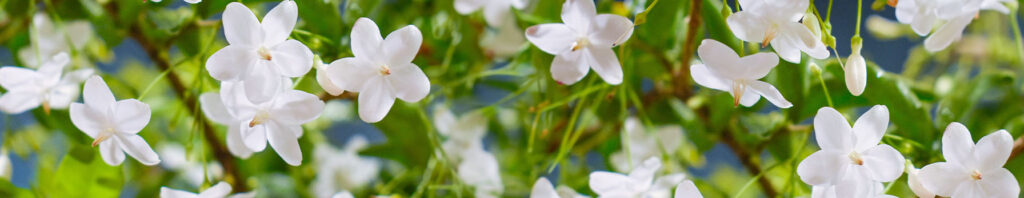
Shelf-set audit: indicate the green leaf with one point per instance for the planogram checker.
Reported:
(83, 172)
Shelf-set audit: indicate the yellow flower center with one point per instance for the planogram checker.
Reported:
(264, 53)
(976, 175)
(580, 43)
(103, 136)
(385, 70)
(856, 159)
(260, 118)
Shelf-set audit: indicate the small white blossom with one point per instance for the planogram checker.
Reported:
(971, 170)
(113, 124)
(343, 169)
(464, 134)
(543, 189)
(186, 1)
(582, 42)
(324, 81)
(5, 164)
(856, 71)
(480, 169)
(49, 39)
(381, 70)
(644, 145)
(687, 189)
(958, 14)
(640, 183)
(175, 159)
(914, 182)
(221, 190)
(343, 194)
(724, 70)
(259, 53)
(496, 12)
(48, 86)
(777, 23)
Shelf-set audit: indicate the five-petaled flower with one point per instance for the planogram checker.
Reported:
(544, 189)
(851, 158)
(480, 169)
(639, 183)
(971, 170)
(724, 70)
(381, 70)
(777, 23)
(260, 53)
(343, 169)
(584, 41)
(464, 133)
(496, 12)
(643, 144)
(113, 124)
(922, 14)
(47, 86)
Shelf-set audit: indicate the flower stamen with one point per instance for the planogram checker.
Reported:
(103, 136)
(768, 36)
(856, 159)
(260, 118)
(580, 43)
(264, 53)
(385, 70)
(976, 175)
(738, 89)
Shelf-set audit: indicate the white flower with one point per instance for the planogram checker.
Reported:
(496, 12)
(543, 189)
(777, 23)
(851, 158)
(220, 190)
(687, 189)
(958, 14)
(724, 70)
(854, 189)
(187, 1)
(381, 70)
(914, 181)
(971, 170)
(644, 145)
(481, 170)
(175, 159)
(639, 183)
(277, 120)
(920, 14)
(464, 134)
(506, 41)
(49, 39)
(343, 194)
(343, 169)
(584, 41)
(5, 164)
(113, 124)
(324, 81)
(260, 53)
(47, 86)
(856, 71)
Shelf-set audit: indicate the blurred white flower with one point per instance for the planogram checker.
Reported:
(851, 158)
(644, 145)
(277, 120)
(5, 164)
(724, 70)
(480, 169)
(324, 81)
(49, 39)
(506, 41)
(260, 53)
(920, 14)
(582, 42)
(914, 182)
(777, 23)
(496, 12)
(46, 86)
(639, 183)
(543, 189)
(464, 134)
(113, 124)
(187, 1)
(687, 189)
(971, 170)
(381, 70)
(220, 190)
(175, 159)
(856, 71)
(343, 194)
(859, 189)
(958, 14)
(339, 170)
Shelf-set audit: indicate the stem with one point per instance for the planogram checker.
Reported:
(828, 16)
(681, 77)
(860, 7)
(749, 163)
(824, 88)
(1017, 34)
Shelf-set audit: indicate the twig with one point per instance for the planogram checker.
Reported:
(681, 77)
(1018, 146)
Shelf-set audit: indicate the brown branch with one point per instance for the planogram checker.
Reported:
(681, 75)
(749, 163)
(1018, 146)
(344, 96)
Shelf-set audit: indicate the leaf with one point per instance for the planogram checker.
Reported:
(83, 172)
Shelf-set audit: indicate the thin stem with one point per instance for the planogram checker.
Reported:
(828, 16)
(824, 88)
(860, 8)
(152, 83)
(1016, 33)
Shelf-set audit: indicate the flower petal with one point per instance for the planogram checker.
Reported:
(279, 22)
(569, 68)
(16, 102)
(770, 93)
(495, 13)
(15, 77)
(705, 77)
(787, 46)
(757, 66)
(401, 46)
(327, 84)
(262, 83)
(86, 119)
(375, 100)
(748, 26)
(241, 26)
(282, 138)
(166, 192)
(948, 33)
(231, 62)
(606, 183)
(553, 38)
(294, 107)
(468, 6)
(63, 95)
(957, 146)
(609, 30)
(822, 167)
(235, 143)
(720, 59)
(444, 120)
(111, 152)
(351, 74)
(914, 182)
(885, 163)
(869, 128)
(942, 178)
(1000, 183)
(605, 64)
(292, 59)
(214, 108)
(366, 39)
(856, 71)
(255, 137)
(643, 174)
(408, 82)
(993, 150)
(96, 94)
(137, 147)
(687, 190)
(130, 116)
(222, 189)
(543, 189)
(749, 97)
(832, 131)
(578, 14)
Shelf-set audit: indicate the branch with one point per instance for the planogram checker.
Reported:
(681, 79)
(1018, 146)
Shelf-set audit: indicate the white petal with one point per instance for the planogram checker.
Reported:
(609, 30)
(948, 33)
(222, 189)
(957, 146)
(856, 74)
(279, 22)
(231, 62)
(409, 82)
(553, 38)
(89, 121)
(166, 192)
(787, 46)
(137, 147)
(757, 66)
(915, 183)
(261, 84)
(885, 163)
(804, 39)
(869, 128)
(327, 84)
(375, 100)
(747, 26)
(296, 107)
(111, 152)
(570, 67)
(606, 183)
(922, 26)
(241, 26)
(235, 143)
(366, 39)
(942, 178)
(351, 74)
(282, 138)
(15, 102)
(643, 174)
(96, 94)
(578, 14)
(993, 150)
(687, 190)
(831, 130)
(704, 77)
(496, 13)
(401, 46)
(1000, 183)
(13, 77)
(214, 108)
(468, 6)
(291, 58)
(822, 167)
(131, 116)
(770, 93)
(720, 59)
(62, 96)
(906, 11)
(857, 186)
(667, 182)
(193, 1)
(543, 189)
(605, 64)
(255, 137)
(749, 97)
(444, 120)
